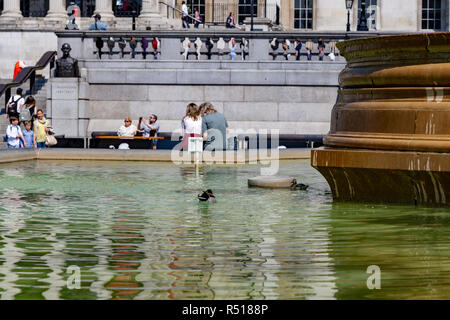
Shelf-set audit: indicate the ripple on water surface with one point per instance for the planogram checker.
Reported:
(137, 231)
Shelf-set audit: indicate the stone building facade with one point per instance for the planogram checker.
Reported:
(316, 15)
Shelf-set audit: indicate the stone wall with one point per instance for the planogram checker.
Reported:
(291, 109)
(24, 45)
(294, 97)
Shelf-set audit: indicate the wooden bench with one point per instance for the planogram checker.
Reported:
(104, 140)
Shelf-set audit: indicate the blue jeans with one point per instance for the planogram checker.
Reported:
(13, 147)
(186, 22)
(41, 145)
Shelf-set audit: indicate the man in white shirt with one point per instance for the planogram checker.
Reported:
(185, 18)
(15, 104)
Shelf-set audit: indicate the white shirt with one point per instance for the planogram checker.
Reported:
(192, 126)
(127, 131)
(185, 10)
(13, 133)
(20, 102)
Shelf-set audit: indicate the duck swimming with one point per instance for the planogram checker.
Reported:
(207, 196)
(298, 186)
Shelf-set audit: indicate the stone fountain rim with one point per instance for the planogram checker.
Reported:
(367, 46)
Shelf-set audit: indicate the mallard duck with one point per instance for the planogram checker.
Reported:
(298, 186)
(207, 196)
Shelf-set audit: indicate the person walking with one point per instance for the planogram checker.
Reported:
(28, 111)
(214, 129)
(41, 129)
(15, 104)
(191, 124)
(185, 18)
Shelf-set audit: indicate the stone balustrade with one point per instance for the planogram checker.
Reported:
(199, 45)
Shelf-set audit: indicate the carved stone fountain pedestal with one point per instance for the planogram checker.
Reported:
(389, 139)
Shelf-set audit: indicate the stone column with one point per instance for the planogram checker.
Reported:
(150, 16)
(104, 8)
(11, 12)
(57, 14)
(287, 14)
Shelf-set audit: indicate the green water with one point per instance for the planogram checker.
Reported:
(136, 231)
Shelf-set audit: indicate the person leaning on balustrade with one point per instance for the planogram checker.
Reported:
(233, 49)
(309, 45)
(298, 47)
(97, 24)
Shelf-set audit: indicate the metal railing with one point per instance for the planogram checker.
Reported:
(217, 13)
(28, 73)
(173, 9)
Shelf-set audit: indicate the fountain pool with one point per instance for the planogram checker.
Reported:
(135, 230)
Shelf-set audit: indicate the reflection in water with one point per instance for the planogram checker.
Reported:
(139, 232)
(410, 247)
(126, 254)
(11, 222)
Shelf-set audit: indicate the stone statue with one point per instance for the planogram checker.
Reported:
(66, 66)
(73, 11)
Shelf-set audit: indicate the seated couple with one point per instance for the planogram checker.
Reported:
(206, 122)
(148, 129)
